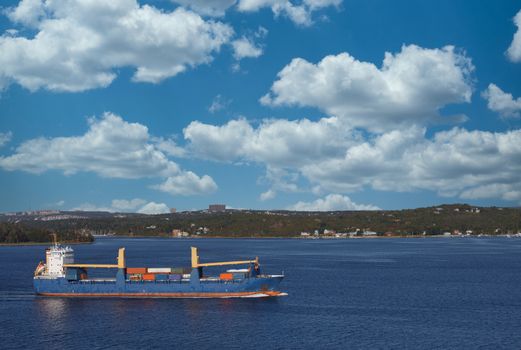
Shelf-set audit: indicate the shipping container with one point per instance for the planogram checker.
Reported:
(186, 275)
(175, 277)
(135, 277)
(226, 276)
(178, 270)
(159, 270)
(239, 275)
(74, 273)
(133, 270)
(181, 270)
(237, 270)
(161, 277)
(149, 277)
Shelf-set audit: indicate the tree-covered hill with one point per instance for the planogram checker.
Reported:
(13, 233)
(249, 223)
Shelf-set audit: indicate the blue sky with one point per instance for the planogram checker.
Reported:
(265, 104)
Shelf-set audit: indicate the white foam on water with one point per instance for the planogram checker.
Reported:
(258, 295)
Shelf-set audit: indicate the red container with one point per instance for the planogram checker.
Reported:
(149, 277)
(136, 270)
(226, 276)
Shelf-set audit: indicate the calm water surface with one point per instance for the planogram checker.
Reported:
(438, 293)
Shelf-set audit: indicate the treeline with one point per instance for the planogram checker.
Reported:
(248, 223)
(19, 233)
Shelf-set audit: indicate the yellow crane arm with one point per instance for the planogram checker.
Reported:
(99, 266)
(119, 265)
(195, 261)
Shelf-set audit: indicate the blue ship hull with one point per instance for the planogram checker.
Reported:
(194, 287)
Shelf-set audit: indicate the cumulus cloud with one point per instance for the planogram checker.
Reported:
(452, 163)
(5, 137)
(168, 146)
(78, 45)
(187, 184)
(509, 192)
(154, 208)
(299, 13)
(245, 48)
(111, 148)
(279, 142)
(127, 205)
(333, 158)
(28, 12)
(331, 202)
(92, 207)
(514, 51)
(214, 8)
(410, 87)
(269, 194)
(502, 102)
(218, 103)
(137, 205)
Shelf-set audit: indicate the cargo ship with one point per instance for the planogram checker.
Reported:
(60, 276)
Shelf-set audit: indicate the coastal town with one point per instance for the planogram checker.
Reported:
(454, 220)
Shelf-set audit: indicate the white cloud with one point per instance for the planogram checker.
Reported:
(514, 51)
(410, 87)
(80, 44)
(169, 147)
(332, 158)
(5, 137)
(187, 184)
(111, 148)
(154, 208)
(245, 48)
(453, 163)
(136, 205)
(509, 192)
(28, 12)
(60, 203)
(218, 104)
(331, 202)
(269, 194)
(92, 207)
(215, 8)
(279, 142)
(299, 13)
(502, 102)
(222, 143)
(127, 205)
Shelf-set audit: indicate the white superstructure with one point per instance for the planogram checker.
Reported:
(55, 257)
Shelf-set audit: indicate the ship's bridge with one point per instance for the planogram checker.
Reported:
(56, 257)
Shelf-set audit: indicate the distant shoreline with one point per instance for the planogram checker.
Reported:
(257, 237)
(315, 237)
(40, 243)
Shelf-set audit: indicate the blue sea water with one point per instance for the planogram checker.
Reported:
(439, 293)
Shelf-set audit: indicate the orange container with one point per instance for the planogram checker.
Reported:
(226, 276)
(149, 277)
(136, 270)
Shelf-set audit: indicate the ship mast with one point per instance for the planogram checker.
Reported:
(54, 239)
